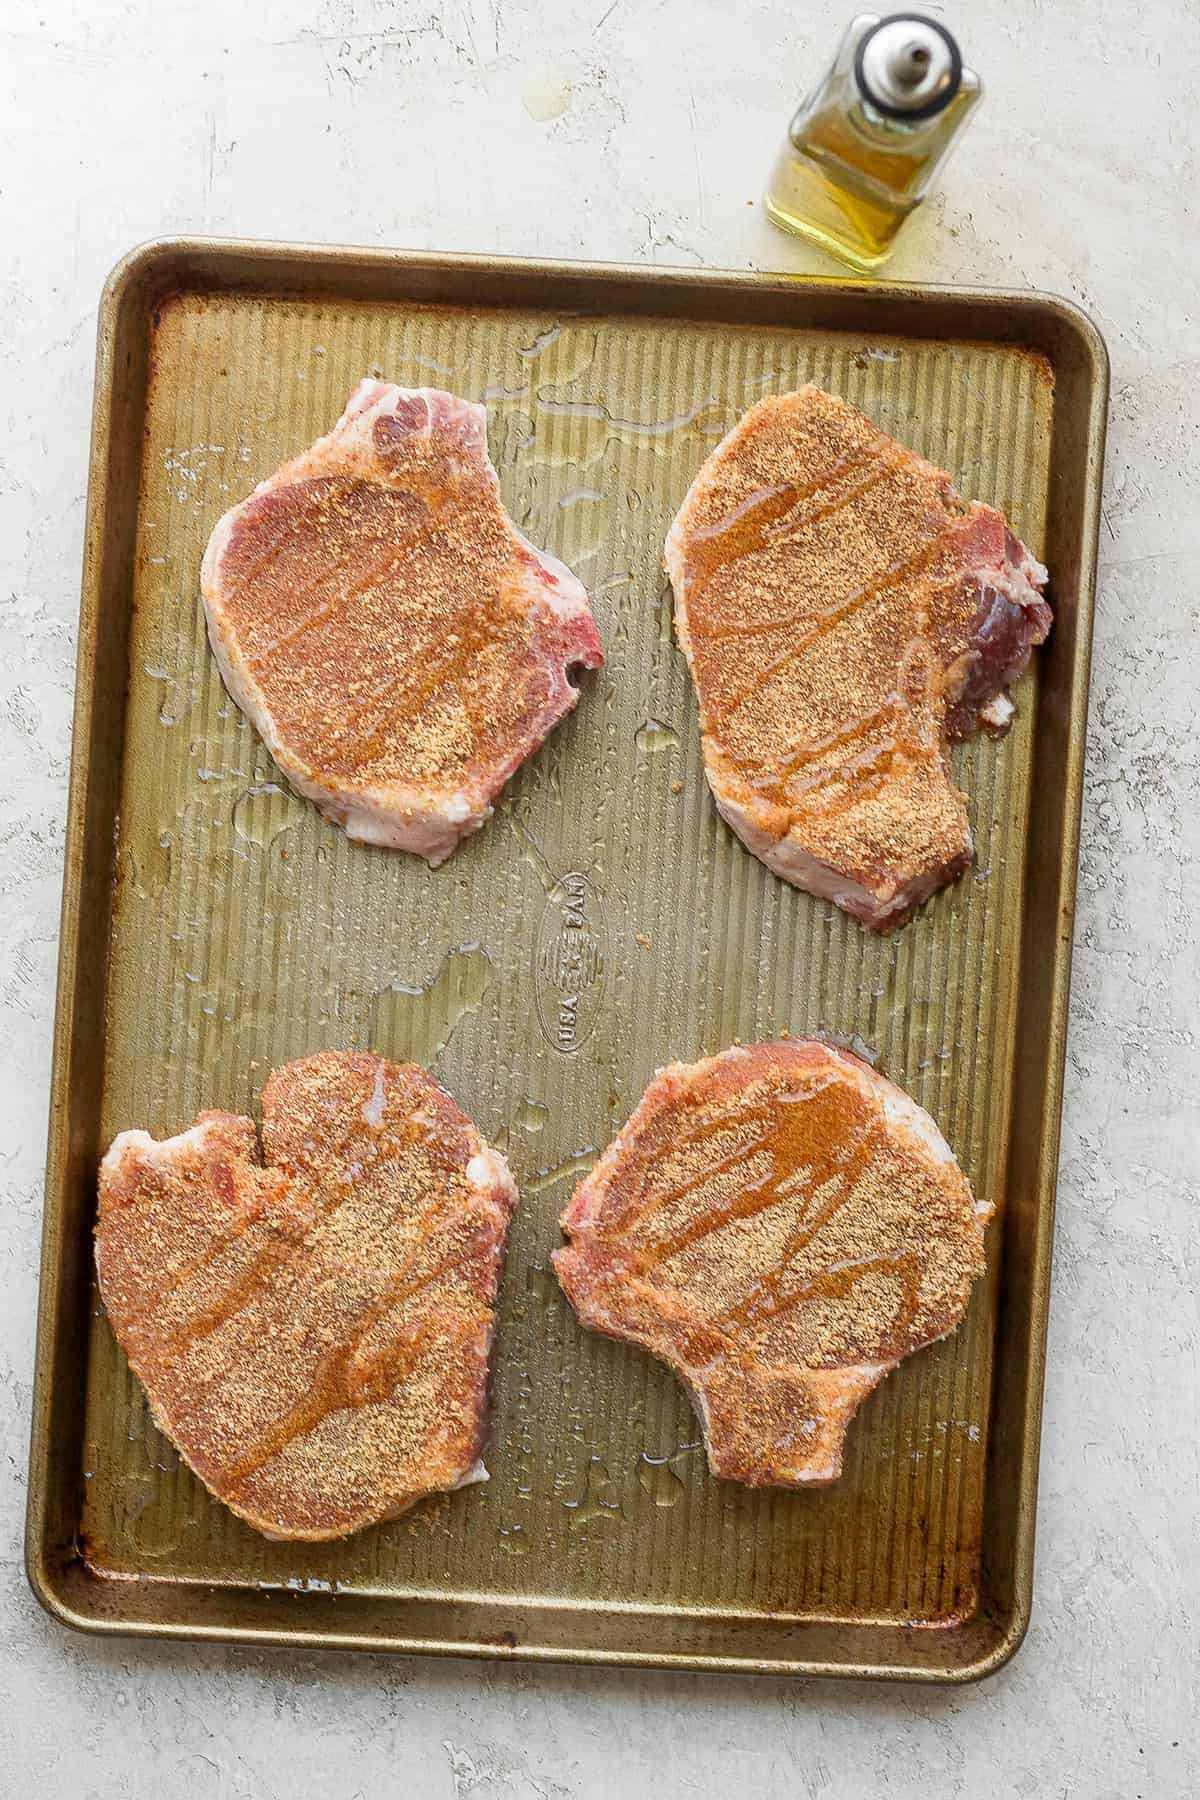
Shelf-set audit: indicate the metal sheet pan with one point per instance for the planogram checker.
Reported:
(213, 926)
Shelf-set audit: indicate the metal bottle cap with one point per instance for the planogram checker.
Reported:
(908, 67)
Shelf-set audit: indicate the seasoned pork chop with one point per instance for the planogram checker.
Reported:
(781, 1226)
(312, 1330)
(380, 619)
(845, 615)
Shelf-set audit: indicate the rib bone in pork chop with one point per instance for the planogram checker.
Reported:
(377, 615)
(313, 1329)
(781, 1225)
(845, 615)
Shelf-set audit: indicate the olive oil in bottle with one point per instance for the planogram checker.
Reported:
(863, 149)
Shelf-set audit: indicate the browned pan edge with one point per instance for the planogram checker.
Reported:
(77, 1594)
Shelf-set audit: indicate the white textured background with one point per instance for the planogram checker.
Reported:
(407, 122)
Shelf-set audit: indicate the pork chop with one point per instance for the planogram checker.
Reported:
(379, 618)
(780, 1225)
(312, 1330)
(845, 615)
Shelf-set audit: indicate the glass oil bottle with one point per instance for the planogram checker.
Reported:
(862, 151)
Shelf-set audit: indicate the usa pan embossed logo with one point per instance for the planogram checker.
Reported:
(570, 962)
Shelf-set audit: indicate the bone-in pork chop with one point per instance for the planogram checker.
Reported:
(845, 615)
(780, 1225)
(377, 615)
(313, 1329)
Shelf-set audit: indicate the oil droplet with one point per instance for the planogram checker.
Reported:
(589, 428)
(418, 1022)
(495, 391)
(153, 1530)
(541, 342)
(531, 854)
(177, 698)
(666, 614)
(265, 810)
(652, 736)
(579, 541)
(520, 433)
(148, 860)
(579, 1164)
(428, 364)
(854, 1042)
(599, 1501)
(565, 354)
(514, 1540)
(708, 423)
(542, 1282)
(546, 95)
(138, 1500)
(658, 1479)
(754, 384)
(531, 1115)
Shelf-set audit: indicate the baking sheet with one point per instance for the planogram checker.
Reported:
(215, 926)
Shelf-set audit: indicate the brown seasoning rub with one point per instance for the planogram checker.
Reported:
(845, 614)
(313, 1330)
(781, 1225)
